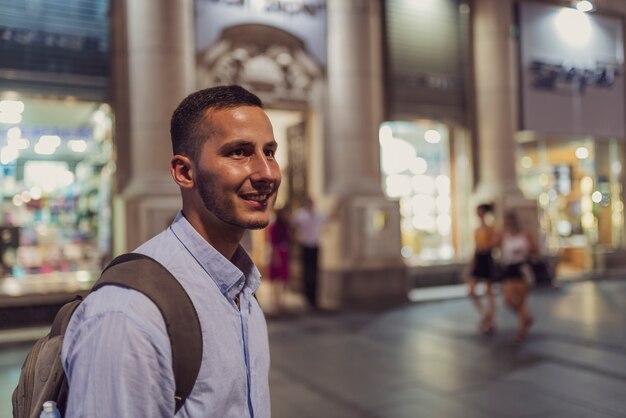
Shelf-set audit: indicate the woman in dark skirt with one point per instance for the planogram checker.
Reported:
(483, 269)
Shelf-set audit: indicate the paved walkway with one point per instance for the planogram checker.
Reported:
(427, 360)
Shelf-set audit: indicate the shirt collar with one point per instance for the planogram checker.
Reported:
(230, 276)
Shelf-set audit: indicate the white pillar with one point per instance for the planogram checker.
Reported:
(355, 106)
(153, 71)
(496, 96)
(496, 87)
(361, 249)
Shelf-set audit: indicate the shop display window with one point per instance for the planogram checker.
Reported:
(577, 183)
(416, 170)
(55, 177)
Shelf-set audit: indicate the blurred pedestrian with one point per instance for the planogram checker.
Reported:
(482, 269)
(116, 351)
(307, 223)
(279, 238)
(515, 247)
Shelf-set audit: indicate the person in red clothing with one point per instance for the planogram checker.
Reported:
(279, 238)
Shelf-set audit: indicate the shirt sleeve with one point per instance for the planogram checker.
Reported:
(117, 367)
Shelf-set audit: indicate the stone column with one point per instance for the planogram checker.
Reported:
(153, 67)
(361, 249)
(355, 96)
(496, 89)
(496, 95)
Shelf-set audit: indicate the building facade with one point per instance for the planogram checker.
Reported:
(403, 115)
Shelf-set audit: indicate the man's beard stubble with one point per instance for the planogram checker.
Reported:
(222, 209)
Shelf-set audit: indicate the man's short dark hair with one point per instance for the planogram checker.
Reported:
(186, 127)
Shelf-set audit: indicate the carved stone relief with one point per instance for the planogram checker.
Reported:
(271, 62)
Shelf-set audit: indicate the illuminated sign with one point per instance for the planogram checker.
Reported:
(572, 79)
(572, 67)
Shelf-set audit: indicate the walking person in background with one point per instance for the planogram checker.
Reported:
(116, 351)
(515, 247)
(482, 269)
(307, 223)
(279, 238)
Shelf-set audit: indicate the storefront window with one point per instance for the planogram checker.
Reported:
(56, 170)
(415, 161)
(577, 184)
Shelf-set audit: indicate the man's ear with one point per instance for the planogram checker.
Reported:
(182, 172)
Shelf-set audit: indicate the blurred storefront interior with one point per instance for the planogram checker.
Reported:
(402, 114)
(56, 126)
(570, 149)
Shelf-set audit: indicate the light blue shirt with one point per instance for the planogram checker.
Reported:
(117, 354)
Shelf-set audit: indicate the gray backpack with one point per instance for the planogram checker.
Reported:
(43, 378)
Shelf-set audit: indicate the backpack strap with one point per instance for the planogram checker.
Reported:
(148, 276)
(62, 319)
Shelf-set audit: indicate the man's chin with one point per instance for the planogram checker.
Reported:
(257, 225)
(251, 223)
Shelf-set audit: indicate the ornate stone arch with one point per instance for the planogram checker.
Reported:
(270, 61)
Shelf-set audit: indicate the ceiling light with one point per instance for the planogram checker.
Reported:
(584, 6)
(8, 155)
(11, 111)
(582, 153)
(47, 144)
(10, 118)
(77, 145)
(11, 106)
(432, 136)
(574, 27)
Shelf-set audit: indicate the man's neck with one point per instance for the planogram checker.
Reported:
(224, 238)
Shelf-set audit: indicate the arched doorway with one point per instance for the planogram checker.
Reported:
(276, 66)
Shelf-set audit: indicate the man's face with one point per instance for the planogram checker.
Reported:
(237, 176)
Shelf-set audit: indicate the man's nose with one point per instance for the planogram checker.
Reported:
(265, 168)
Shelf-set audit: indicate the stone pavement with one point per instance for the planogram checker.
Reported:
(427, 360)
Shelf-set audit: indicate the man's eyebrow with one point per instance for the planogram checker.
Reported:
(245, 143)
(236, 144)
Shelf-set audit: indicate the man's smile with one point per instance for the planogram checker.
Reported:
(257, 198)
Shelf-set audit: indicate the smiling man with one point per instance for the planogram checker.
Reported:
(116, 351)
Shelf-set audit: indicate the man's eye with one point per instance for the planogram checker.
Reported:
(237, 153)
(270, 153)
